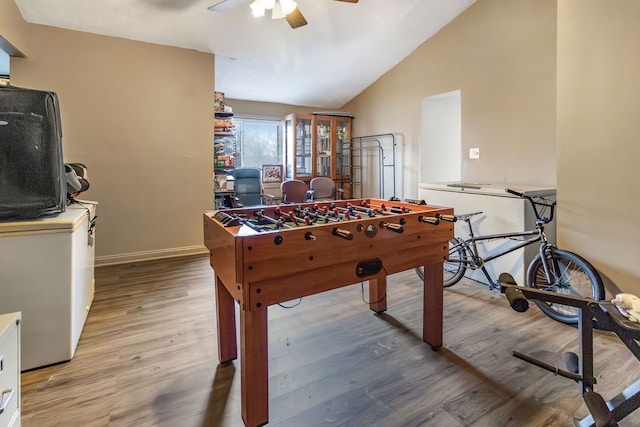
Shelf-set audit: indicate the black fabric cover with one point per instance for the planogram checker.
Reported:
(32, 174)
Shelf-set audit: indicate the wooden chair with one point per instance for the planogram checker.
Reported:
(324, 188)
(295, 191)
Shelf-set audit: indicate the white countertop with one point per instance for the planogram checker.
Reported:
(488, 188)
(66, 221)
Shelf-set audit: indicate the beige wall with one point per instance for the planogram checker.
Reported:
(121, 101)
(508, 58)
(268, 109)
(598, 131)
(501, 55)
(140, 117)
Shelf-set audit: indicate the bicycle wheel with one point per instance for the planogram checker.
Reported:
(571, 275)
(454, 268)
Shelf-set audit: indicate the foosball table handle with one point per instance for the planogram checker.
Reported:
(345, 234)
(450, 218)
(396, 228)
(429, 220)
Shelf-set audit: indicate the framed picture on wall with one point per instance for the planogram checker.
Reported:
(271, 173)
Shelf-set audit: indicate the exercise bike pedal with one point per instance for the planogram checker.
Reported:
(571, 361)
(505, 279)
(602, 416)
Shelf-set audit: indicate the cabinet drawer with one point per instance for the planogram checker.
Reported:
(9, 370)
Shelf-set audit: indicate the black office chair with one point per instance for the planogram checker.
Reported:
(248, 188)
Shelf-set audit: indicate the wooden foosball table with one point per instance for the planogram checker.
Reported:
(271, 254)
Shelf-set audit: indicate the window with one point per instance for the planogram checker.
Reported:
(4, 64)
(259, 142)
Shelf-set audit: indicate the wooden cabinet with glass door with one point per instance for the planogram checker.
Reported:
(299, 143)
(342, 138)
(325, 159)
(318, 145)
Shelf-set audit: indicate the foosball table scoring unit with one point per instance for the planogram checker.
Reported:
(271, 254)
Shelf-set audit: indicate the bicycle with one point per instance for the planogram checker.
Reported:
(553, 269)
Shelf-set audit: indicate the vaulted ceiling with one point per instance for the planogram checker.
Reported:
(344, 48)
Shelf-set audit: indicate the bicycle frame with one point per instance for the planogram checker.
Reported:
(475, 260)
(470, 257)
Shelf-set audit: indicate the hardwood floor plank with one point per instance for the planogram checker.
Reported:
(148, 357)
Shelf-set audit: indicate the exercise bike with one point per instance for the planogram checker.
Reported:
(601, 315)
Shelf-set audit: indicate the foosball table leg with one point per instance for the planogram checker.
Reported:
(433, 298)
(378, 293)
(254, 367)
(225, 306)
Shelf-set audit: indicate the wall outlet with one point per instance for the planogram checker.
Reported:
(474, 153)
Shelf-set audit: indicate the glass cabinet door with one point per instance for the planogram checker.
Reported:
(323, 147)
(343, 149)
(319, 145)
(289, 132)
(303, 150)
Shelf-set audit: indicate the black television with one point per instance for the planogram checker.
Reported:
(32, 175)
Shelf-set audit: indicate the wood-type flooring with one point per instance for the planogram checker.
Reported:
(148, 357)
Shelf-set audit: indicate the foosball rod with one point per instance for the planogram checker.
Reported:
(393, 209)
(382, 209)
(261, 215)
(292, 215)
(371, 212)
(327, 213)
(336, 211)
(316, 215)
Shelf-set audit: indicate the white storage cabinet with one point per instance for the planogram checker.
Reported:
(46, 272)
(10, 402)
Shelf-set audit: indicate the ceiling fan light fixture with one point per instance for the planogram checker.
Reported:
(287, 6)
(276, 12)
(257, 9)
(267, 4)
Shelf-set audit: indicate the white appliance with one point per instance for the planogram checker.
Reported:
(10, 398)
(502, 213)
(46, 272)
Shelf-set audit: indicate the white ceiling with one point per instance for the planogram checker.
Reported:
(344, 48)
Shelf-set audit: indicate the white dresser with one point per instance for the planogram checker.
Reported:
(10, 401)
(46, 272)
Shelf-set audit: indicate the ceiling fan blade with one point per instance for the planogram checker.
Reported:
(295, 19)
(349, 1)
(224, 5)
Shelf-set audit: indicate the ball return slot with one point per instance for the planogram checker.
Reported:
(368, 268)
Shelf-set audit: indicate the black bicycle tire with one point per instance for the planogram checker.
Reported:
(461, 268)
(565, 314)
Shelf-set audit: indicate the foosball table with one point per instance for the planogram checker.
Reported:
(271, 254)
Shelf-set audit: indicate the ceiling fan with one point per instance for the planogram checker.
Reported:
(287, 9)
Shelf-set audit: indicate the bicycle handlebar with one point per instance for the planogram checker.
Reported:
(534, 203)
(514, 192)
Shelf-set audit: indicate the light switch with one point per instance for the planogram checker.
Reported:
(474, 153)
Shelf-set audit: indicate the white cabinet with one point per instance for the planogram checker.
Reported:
(503, 213)
(46, 272)
(10, 370)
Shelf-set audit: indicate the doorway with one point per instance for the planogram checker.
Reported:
(441, 148)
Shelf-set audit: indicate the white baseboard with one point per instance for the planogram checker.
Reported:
(149, 255)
